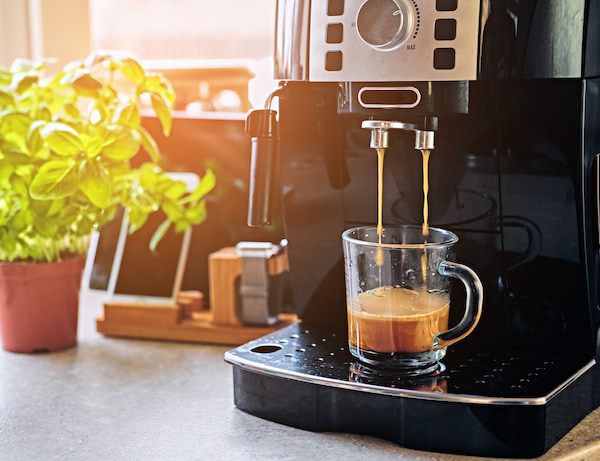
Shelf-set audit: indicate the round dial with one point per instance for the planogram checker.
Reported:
(385, 24)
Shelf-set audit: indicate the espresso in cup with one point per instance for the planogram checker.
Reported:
(398, 296)
(388, 319)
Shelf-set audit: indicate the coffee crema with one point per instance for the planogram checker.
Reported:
(389, 319)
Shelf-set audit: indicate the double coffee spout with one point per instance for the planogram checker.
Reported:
(261, 126)
(424, 137)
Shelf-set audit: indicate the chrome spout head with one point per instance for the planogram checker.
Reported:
(425, 140)
(380, 131)
(380, 139)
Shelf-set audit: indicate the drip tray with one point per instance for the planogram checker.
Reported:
(490, 402)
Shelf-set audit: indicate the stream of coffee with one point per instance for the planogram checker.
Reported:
(379, 251)
(425, 225)
(425, 193)
(425, 211)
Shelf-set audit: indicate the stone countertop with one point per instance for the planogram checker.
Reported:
(113, 399)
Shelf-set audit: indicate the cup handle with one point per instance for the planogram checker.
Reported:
(473, 307)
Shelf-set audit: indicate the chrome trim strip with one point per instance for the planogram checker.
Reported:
(267, 370)
(389, 88)
(291, 39)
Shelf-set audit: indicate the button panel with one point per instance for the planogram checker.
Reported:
(441, 42)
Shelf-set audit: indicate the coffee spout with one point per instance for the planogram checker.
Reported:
(380, 131)
(424, 138)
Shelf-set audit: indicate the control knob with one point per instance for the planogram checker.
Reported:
(385, 24)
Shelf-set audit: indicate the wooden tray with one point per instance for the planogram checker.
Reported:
(188, 321)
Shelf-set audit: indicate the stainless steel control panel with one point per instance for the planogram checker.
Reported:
(393, 40)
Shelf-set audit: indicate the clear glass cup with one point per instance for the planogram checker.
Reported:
(398, 296)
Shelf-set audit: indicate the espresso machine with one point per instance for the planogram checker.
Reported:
(508, 94)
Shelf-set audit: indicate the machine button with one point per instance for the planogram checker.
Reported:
(444, 58)
(445, 29)
(335, 33)
(335, 7)
(446, 5)
(333, 61)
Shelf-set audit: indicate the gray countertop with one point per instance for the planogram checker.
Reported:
(113, 399)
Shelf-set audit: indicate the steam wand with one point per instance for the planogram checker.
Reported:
(261, 127)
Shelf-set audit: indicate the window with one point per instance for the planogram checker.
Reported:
(218, 55)
(185, 29)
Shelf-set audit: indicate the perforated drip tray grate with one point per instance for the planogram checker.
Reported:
(493, 376)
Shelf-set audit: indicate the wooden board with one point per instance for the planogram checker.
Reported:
(188, 321)
(162, 322)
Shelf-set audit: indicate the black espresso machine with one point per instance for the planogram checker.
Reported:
(509, 93)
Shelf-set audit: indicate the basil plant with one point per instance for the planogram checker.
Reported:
(66, 145)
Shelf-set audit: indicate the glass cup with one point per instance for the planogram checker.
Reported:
(398, 296)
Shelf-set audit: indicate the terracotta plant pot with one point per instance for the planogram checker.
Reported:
(39, 304)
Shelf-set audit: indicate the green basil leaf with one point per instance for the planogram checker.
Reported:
(6, 98)
(22, 81)
(149, 145)
(62, 139)
(24, 64)
(175, 190)
(173, 212)
(207, 183)
(18, 185)
(6, 170)
(95, 182)
(55, 207)
(92, 145)
(181, 226)
(86, 85)
(15, 122)
(162, 108)
(14, 127)
(35, 142)
(5, 76)
(47, 228)
(120, 143)
(137, 219)
(22, 220)
(128, 114)
(55, 179)
(157, 83)
(196, 213)
(16, 157)
(132, 70)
